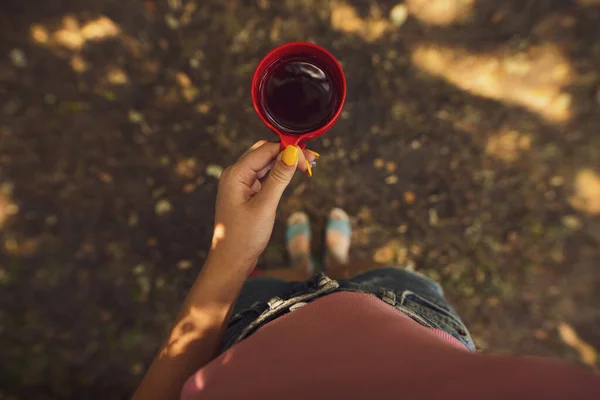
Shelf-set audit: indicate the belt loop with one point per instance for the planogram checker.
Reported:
(323, 280)
(389, 297)
(274, 303)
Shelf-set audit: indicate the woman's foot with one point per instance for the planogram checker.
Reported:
(338, 234)
(297, 239)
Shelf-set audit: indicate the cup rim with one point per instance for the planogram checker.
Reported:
(266, 62)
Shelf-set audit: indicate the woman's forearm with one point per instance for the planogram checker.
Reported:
(196, 337)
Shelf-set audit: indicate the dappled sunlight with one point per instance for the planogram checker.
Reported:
(116, 76)
(72, 35)
(587, 353)
(346, 19)
(587, 192)
(78, 64)
(218, 235)
(533, 79)
(8, 208)
(189, 329)
(508, 144)
(588, 3)
(440, 12)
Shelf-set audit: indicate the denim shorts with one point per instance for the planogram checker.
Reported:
(264, 299)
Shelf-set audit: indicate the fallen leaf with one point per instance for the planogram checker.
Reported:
(391, 180)
(214, 170)
(163, 207)
(17, 56)
(184, 264)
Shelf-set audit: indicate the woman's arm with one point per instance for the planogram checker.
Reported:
(196, 337)
(247, 200)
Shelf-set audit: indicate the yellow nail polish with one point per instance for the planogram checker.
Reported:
(308, 168)
(314, 153)
(290, 155)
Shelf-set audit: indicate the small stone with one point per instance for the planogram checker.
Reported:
(184, 265)
(163, 207)
(390, 166)
(399, 14)
(378, 163)
(391, 180)
(214, 170)
(572, 222)
(18, 58)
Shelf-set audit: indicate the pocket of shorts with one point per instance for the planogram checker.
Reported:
(438, 316)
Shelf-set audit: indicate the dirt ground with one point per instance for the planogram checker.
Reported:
(468, 150)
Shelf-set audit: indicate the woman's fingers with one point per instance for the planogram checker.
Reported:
(253, 147)
(258, 160)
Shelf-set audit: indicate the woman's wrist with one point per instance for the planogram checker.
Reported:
(230, 261)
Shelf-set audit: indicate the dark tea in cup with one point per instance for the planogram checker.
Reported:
(299, 95)
(298, 90)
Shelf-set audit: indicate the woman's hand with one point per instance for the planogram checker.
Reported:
(248, 196)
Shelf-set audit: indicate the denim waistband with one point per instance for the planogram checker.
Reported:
(422, 310)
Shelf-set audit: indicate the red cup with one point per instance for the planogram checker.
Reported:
(302, 49)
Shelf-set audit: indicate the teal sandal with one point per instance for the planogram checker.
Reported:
(295, 229)
(341, 224)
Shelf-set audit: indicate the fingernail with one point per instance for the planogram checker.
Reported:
(314, 153)
(313, 163)
(308, 168)
(290, 155)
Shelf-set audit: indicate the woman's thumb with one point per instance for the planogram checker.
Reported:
(279, 177)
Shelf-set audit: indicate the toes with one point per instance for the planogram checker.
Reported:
(338, 214)
(297, 218)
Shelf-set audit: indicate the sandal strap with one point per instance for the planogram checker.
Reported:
(340, 225)
(296, 229)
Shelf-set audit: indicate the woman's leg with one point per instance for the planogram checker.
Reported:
(338, 236)
(298, 248)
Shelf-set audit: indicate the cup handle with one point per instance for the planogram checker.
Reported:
(287, 140)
